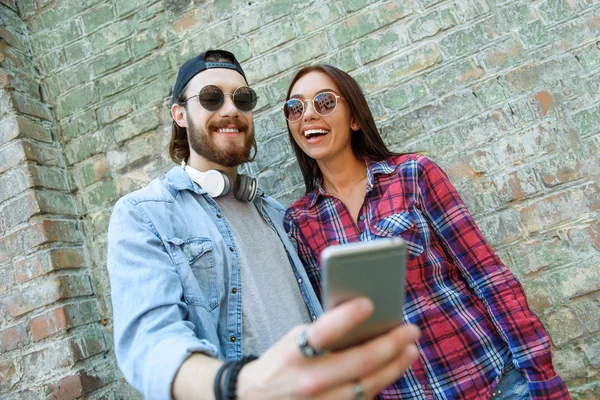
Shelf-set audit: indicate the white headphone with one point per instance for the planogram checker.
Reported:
(218, 183)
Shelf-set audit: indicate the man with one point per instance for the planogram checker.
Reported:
(202, 271)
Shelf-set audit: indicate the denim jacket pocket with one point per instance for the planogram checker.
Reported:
(196, 266)
(400, 225)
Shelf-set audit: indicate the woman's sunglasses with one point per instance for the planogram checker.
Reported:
(323, 103)
(211, 97)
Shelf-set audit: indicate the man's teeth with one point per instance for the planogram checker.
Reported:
(311, 132)
(228, 130)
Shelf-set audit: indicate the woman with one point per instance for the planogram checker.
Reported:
(475, 322)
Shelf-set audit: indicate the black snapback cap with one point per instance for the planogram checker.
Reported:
(198, 64)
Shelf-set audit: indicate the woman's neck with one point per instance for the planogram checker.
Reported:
(343, 174)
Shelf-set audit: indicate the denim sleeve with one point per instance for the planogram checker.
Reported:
(152, 336)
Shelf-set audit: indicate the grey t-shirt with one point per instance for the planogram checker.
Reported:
(271, 299)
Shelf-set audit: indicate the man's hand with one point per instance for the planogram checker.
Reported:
(284, 373)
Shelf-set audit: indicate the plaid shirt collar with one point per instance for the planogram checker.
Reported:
(373, 168)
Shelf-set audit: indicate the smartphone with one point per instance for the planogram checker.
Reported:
(374, 269)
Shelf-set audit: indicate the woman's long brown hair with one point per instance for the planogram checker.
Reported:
(366, 143)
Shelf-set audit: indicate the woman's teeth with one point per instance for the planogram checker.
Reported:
(314, 132)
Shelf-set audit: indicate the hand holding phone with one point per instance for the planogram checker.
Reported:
(374, 269)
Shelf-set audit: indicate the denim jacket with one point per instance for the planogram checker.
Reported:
(175, 280)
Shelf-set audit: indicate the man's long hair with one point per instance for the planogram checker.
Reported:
(179, 146)
(366, 142)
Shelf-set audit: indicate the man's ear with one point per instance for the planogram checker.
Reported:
(178, 113)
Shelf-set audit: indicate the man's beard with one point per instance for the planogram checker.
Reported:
(203, 143)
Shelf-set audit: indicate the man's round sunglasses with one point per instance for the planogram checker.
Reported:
(211, 97)
(324, 104)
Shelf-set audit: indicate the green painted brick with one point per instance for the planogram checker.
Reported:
(587, 122)
(555, 10)
(429, 3)
(287, 58)
(393, 11)
(533, 34)
(589, 57)
(317, 18)
(48, 177)
(273, 36)
(26, 86)
(381, 44)
(449, 110)
(77, 51)
(30, 106)
(65, 33)
(132, 75)
(71, 78)
(91, 171)
(514, 15)
(241, 49)
(349, 6)
(357, 26)
(134, 125)
(99, 196)
(57, 203)
(490, 93)
(504, 55)
(385, 74)
(467, 10)
(430, 24)
(84, 147)
(110, 59)
(51, 62)
(343, 59)
(144, 43)
(77, 125)
(454, 76)
(125, 7)
(469, 40)
(109, 112)
(247, 20)
(110, 34)
(151, 94)
(97, 17)
(402, 96)
(78, 99)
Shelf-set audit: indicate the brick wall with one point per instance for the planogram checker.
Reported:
(505, 95)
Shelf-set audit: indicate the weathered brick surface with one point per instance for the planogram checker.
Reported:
(505, 96)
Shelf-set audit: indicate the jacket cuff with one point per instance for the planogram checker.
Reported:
(165, 360)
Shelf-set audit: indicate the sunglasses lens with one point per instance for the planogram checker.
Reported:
(293, 110)
(211, 97)
(325, 103)
(245, 98)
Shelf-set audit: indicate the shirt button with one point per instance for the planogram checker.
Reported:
(390, 230)
(232, 339)
(361, 218)
(234, 290)
(218, 215)
(299, 280)
(231, 249)
(314, 317)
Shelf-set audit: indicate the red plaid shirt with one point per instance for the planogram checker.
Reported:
(472, 312)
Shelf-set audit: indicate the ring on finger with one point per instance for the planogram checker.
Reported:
(305, 349)
(359, 393)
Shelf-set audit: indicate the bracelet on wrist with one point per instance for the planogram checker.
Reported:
(229, 387)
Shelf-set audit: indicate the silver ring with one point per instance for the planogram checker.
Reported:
(305, 349)
(359, 393)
